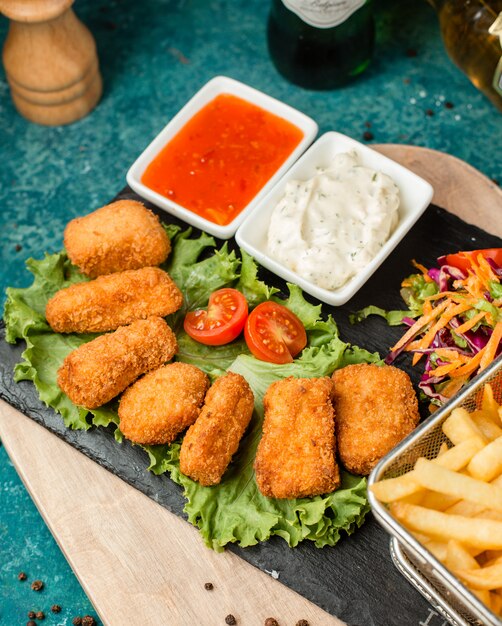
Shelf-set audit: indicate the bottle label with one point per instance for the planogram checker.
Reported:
(496, 29)
(497, 78)
(323, 13)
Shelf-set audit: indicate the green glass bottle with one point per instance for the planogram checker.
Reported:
(320, 44)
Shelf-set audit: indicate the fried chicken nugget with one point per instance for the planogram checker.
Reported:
(156, 408)
(98, 371)
(123, 235)
(111, 301)
(375, 407)
(296, 454)
(210, 443)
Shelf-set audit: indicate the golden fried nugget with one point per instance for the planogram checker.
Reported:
(210, 443)
(112, 301)
(98, 371)
(156, 408)
(123, 235)
(296, 454)
(375, 407)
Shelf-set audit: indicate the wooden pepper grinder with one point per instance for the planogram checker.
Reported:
(50, 61)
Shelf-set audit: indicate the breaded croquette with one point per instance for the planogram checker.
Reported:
(111, 301)
(97, 371)
(296, 454)
(210, 443)
(157, 407)
(375, 407)
(123, 235)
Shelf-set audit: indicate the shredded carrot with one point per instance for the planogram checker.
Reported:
(464, 296)
(470, 323)
(450, 353)
(452, 295)
(453, 386)
(428, 338)
(490, 350)
(423, 269)
(442, 370)
(420, 323)
(427, 307)
(469, 368)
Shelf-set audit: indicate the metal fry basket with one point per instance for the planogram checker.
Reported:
(431, 578)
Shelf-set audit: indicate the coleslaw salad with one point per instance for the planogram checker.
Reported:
(454, 321)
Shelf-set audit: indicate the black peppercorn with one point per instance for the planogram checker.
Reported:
(31, 623)
(449, 105)
(271, 621)
(208, 586)
(40, 615)
(55, 608)
(302, 622)
(88, 620)
(37, 585)
(367, 135)
(230, 620)
(429, 112)
(31, 614)
(77, 621)
(22, 576)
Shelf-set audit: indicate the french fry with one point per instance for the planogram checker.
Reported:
(437, 548)
(459, 427)
(437, 478)
(452, 504)
(442, 449)
(437, 501)
(458, 557)
(488, 404)
(490, 429)
(467, 509)
(487, 463)
(396, 488)
(496, 602)
(483, 578)
(455, 459)
(485, 534)
(489, 514)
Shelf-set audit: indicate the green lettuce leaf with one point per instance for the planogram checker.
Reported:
(235, 510)
(393, 318)
(495, 289)
(255, 290)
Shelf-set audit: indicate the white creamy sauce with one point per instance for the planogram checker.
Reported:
(328, 228)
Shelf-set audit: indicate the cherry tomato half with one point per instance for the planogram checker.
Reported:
(462, 259)
(223, 320)
(274, 334)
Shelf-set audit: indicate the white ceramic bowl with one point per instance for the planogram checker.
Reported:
(415, 194)
(216, 86)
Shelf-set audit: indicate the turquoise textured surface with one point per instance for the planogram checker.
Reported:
(154, 56)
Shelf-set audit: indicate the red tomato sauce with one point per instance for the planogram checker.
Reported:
(222, 157)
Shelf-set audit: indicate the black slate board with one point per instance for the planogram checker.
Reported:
(356, 580)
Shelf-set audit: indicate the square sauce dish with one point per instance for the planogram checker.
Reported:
(220, 155)
(334, 217)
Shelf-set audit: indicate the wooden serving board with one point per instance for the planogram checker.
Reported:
(142, 565)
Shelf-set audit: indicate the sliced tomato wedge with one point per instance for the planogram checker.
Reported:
(462, 260)
(221, 322)
(274, 334)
